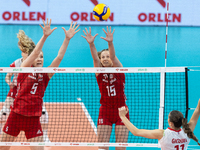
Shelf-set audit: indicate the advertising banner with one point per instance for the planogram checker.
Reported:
(127, 12)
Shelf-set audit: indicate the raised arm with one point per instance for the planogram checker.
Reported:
(195, 116)
(8, 80)
(109, 39)
(90, 39)
(151, 134)
(68, 35)
(46, 32)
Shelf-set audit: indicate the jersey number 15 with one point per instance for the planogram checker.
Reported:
(111, 90)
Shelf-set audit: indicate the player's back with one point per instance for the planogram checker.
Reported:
(174, 140)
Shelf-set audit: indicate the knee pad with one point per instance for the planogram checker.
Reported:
(44, 119)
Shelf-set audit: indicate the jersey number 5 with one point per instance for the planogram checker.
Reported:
(177, 147)
(111, 90)
(34, 88)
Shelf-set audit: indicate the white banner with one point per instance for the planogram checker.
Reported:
(127, 12)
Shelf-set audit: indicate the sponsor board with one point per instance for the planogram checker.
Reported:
(137, 12)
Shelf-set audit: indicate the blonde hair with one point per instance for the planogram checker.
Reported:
(26, 45)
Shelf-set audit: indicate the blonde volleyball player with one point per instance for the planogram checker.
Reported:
(26, 45)
(174, 137)
(111, 87)
(27, 106)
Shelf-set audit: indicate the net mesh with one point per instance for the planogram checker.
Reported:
(72, 102)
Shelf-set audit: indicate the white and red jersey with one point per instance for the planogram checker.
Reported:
(16, 63)
(111, 87)
(30, 91)
(174, 140)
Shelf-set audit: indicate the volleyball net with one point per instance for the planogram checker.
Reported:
(72, 102)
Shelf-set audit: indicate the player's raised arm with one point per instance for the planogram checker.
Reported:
(195, 116)
(90, 39)
(109, 39)
(151, 134)
(8, 80)
(46, 32)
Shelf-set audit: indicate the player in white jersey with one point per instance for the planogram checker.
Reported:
(174, 137)
(5, 111)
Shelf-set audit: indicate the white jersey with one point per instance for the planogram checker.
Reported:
(16, 63)
(174, 140)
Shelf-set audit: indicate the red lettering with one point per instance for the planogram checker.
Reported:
(142, 17)
(111, 18)
(23, 16)
(152, 17)
(40, 16)
(74, 16)
(16, 15)
(7, 15)
(91, 17)
(159, 18)
(178, 18)
(31, 16)
(84, 16)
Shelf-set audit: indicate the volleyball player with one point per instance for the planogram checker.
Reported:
(26, 45)
(111, 86)
(27, 106)
(173, 138)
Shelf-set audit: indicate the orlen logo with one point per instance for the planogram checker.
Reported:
(85, 16)
(24, 15)
(159, 17)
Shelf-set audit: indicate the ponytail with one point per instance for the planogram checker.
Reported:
(188, 131)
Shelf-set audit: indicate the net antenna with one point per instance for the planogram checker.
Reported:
(166, 34)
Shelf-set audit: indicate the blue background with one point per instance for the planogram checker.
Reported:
(135, 47)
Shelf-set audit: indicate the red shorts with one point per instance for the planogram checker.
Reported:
(12, 92)
(109, 116)
(16, 123)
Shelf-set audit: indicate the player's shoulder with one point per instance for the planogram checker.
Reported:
(17, 63)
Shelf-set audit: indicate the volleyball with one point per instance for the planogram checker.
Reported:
(101, 12)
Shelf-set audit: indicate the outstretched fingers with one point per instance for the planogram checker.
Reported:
(54, 29)
(77, 27)
(83, 36)
(113, 31)
(95, 35)
(74, 25)
(64, 29)
(71, 24)
(41, 26)
(84, 32)
(77, 30)
(43, 23)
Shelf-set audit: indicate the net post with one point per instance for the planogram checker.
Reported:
(162, 97)
(162, 100)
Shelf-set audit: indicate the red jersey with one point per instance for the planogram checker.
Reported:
(111, 87)
(30, 91)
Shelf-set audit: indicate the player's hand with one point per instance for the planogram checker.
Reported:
(123, 111)
(47, 29)
(109, 35)
(72, 30)
(88, 36)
